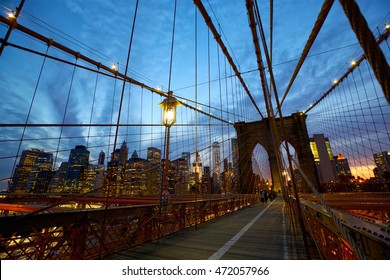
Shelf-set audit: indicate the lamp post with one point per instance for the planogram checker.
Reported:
(168, 106)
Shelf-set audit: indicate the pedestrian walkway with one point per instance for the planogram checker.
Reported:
(257, 232)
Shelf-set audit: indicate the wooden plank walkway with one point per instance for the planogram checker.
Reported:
(259, 232)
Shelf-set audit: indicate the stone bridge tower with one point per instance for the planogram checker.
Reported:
(253, 133)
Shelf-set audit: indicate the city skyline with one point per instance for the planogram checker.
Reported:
(330, 168)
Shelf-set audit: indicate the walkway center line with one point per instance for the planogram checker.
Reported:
(217, 255)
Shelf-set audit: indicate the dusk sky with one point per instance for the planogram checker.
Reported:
(101, 29)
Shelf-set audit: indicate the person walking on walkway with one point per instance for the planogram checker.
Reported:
(262, 197)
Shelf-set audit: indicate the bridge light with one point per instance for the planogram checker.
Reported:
(353, 63)
(168, 106)
(335, 82)
(11, 15)
(387, 26)
(114, 67)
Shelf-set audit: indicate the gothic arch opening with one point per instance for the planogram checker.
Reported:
(261, 168)
(251, 134)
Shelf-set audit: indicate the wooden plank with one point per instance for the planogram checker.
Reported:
(269, 237)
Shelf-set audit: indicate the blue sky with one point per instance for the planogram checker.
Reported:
(101, 30)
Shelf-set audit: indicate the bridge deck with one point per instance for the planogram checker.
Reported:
(256, 232)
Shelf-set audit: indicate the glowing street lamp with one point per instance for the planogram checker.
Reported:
(168, 106)
(11, 15)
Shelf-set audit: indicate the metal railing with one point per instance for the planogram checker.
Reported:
(95, 233)
(371, 233)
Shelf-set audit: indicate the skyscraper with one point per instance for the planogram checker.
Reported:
(197, 168)
(216, 163)
(187, 157)
(102, 156)
(234, 143)
(76, 172)
(382, 161)
(121, 155)
(235, 159)
(41, 174)
(154, 172)
(323, 158)
(135, 176)
(23, 169)
(58, 182)
(343, 171)
(154, 155)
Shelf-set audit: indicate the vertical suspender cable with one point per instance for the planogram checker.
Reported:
(209, 92)
(378, 100)
(128, 113)
(196, 98)
(124, 80)
(313, 35)
(371, 111)
(29, 110)
(93, 104)
(228, 128)
(112, 114)
(140, 127)
(65, 111)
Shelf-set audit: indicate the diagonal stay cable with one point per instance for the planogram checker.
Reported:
(217, 37)
(316, 29)
(117, 74)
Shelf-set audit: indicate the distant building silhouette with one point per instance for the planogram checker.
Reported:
(382, 161)
(235, 159)
(121, 155)
(41, 174)
(58, 181)
(77, 169)
(180, 176)
(323, 158)
(187, 157)
(154, 155)
(342, 169)
(154, 170)
(34, 167)
(102, 157)
(216, 175)
(196, 176)
(135, 176)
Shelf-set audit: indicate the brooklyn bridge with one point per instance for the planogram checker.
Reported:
(194, 130)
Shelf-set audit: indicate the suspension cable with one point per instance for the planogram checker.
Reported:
(124, 82)
(65, 111)
(217, 37)
(381, 39)
(313, 35)
(29, 110)
(92, 106)
(12, 23)
(369, 45)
